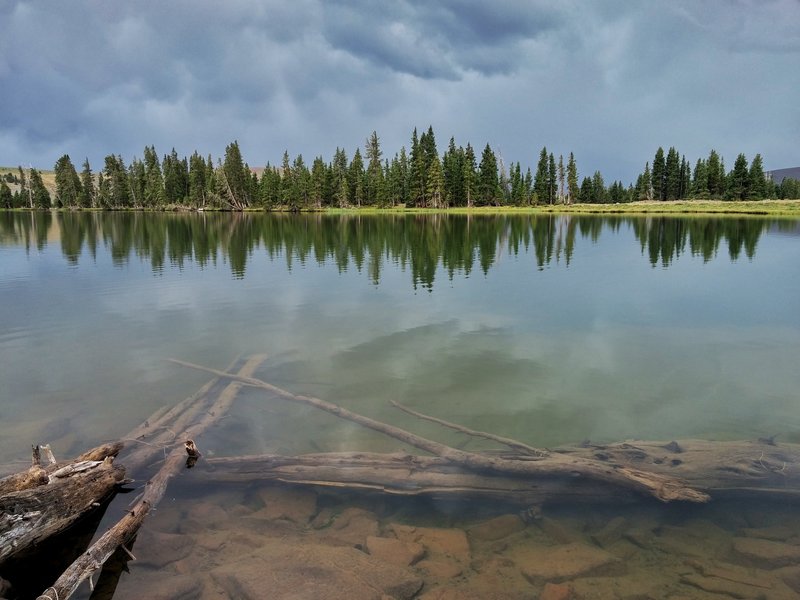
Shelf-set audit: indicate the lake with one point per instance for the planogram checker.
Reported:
(548, 329)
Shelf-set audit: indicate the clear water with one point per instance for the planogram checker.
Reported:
(548, 329)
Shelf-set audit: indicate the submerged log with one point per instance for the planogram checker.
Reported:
(663, 487)
(717, 469)
(44, 501)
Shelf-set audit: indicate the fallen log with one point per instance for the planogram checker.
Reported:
(124, 530)
(46, 500)
(663, 487)
(718, 469)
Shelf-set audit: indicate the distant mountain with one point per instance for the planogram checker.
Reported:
(779, 175)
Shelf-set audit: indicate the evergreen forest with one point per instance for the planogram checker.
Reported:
(418, 178)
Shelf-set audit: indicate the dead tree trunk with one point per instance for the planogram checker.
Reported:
(718, 469)
(46, 500)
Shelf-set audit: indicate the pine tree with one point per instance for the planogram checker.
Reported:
(758, 181)
(236, 180)
(540, 180)
(600, 194)
(739, 181)
(88, 193)
(339, 179)
(572, 179)
(686, 178)
(659, 175)
(552, 179)
(672, 176)
(403, 167)
(68, 184)
(416, 175)
(197, 180)
(39, 193)
(644, 188)
(356, 179)
(586, 193)
(561, 178)
(154, 196)
(374, 192)
(700, 181)
(469, 177)
(435, 183)
(488, 184)
(117, 194)
(136, 182)
(318, 182)
(715, 175)
(453, 170)
(301, 181)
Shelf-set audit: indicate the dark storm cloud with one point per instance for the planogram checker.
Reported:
(437, 40)
(610, 81)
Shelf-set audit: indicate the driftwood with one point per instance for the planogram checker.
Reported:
(663, 487)
(124, 530)
(718, 469)
(45, 500)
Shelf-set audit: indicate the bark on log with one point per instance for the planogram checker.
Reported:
(719, 469)
(118, 535)
(663, 487)
(35, 508)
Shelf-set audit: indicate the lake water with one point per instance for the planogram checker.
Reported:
(547, 329)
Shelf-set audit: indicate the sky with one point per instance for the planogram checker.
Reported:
(610, 81)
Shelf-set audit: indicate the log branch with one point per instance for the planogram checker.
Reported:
(511, 443)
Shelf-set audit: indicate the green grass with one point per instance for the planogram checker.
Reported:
(777, 208)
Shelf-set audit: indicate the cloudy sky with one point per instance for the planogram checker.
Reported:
(607, 80)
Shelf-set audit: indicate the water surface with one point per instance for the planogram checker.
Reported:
(549, 329)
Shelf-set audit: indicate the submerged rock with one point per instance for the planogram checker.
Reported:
(452, 543)
(309, 571)
(497, 528)
(764, 553)
(541, 564)
(293, 504)
(394, 551)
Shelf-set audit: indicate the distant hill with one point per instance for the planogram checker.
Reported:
(779, 175)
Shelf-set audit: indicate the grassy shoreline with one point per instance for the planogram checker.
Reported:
(789, 209)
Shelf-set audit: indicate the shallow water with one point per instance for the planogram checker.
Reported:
(550, 329)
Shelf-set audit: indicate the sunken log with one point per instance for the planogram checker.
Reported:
(722, 469)
(665, 488)
(46, 500)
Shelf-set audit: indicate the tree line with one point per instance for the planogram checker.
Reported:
(419, 178)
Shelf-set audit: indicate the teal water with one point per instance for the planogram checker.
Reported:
(550, 329)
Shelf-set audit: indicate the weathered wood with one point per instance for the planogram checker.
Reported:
(119, 534)
(66, 492)
(719, 469)
(404, 475)
(663, 487)
(511, 443)
(38, 475)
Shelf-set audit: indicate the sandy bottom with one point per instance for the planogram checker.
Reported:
(280, 542)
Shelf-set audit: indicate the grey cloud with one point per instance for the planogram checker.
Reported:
(610, 81)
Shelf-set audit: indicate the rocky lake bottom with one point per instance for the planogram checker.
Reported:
(283, 542)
